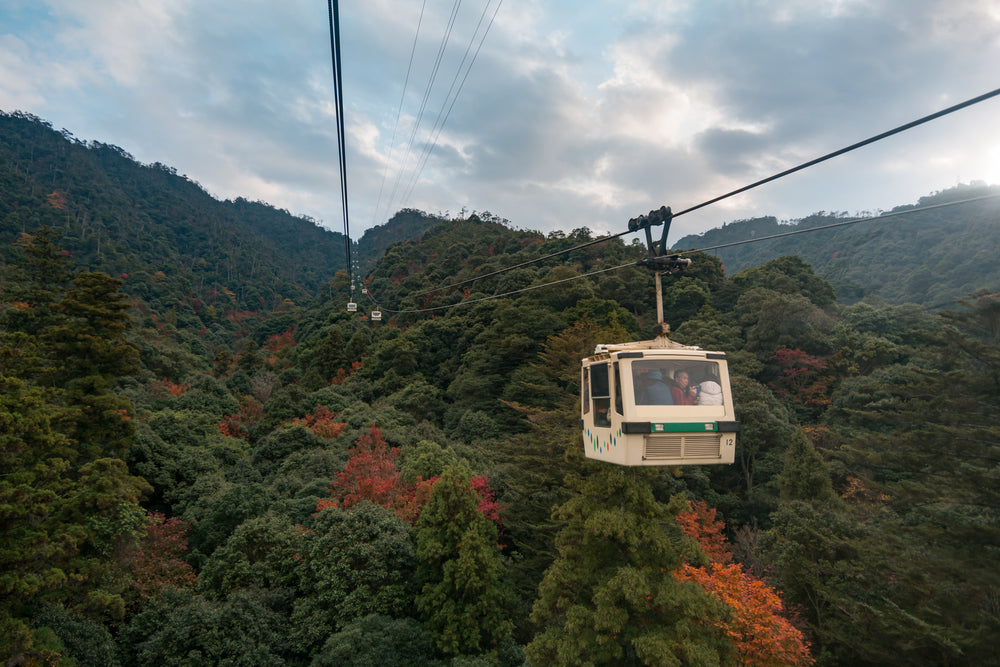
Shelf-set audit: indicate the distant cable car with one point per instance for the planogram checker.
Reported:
(364, 290)
(657, 403)
(352, 307)
(377, 315)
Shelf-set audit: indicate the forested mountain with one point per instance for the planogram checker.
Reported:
(929, 257)
(132, 220)
(198, 483)
(405, 225)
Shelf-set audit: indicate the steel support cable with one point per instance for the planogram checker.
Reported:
(333, 9)
(395, 125)
(438, 122)
(853, 221)
(878, 137)
(511, 293)
(848, 149)
(423, 104)
(522, 264)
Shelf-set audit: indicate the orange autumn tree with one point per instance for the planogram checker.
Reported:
(762, 636)
(156, 562)
(322, 422)
(700, 523)
(238, 425)
(371, 474)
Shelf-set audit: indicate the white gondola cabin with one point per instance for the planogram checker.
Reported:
(657, 403)
(352, 307)
(377, 315)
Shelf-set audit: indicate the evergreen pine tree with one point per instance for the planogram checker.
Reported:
(463, 596)
(610, 597)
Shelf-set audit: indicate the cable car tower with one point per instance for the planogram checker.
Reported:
(657, 402)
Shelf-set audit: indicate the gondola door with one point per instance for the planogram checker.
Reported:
(602, 412)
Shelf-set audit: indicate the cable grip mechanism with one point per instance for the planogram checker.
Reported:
(658, 260)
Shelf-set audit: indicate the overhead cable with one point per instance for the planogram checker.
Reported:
(848, 149)
(843, 223)
(870, 140)
(511, 293)
(852, 221)
(439, 123)
(399, 110)
(423, 102)
(333, 10)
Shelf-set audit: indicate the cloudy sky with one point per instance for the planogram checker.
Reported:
(574, 112)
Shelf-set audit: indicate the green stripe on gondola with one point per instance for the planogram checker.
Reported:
(686, 427)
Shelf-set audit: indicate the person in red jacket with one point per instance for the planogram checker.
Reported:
(683, 392)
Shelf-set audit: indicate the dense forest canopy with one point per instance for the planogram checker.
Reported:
(207, 460)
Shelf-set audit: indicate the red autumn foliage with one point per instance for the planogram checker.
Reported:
(371, 474)
(322, 422)
(488, 506)
(237, 425)
(278, 342)
(342, 374)
(805, 379)
(164, 387)
(700, 523)
(762, 635)
(157, 561)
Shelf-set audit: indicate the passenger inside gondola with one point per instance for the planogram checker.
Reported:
(681, 389)
(652, 390)
(676, 383)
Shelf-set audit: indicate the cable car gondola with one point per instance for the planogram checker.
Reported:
(634, 412)
(377, 315)
(352, 307)
(657, 402)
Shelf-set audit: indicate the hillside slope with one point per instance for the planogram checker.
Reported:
(931, 258)
(132, 220)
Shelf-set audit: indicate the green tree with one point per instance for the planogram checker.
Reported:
(184, 628)
(919, 444)
(610, 597)
(357, 562)
(461, 573)
(263, 552)
(378, 641)
(788, 275)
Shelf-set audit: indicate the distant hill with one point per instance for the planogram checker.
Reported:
(170, 240)
(161, 231)
(406, 224)
(930, 257)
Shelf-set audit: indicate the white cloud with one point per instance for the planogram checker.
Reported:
(575, 113)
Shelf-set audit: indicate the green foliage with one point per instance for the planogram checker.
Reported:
(879, 257)
(428, 459)
(610, 596)
(263, 552)
(359, 562)
(378, 641)
(462, 597)
(188, 629)
(787, 275)
(771, 320)
(84, 641)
